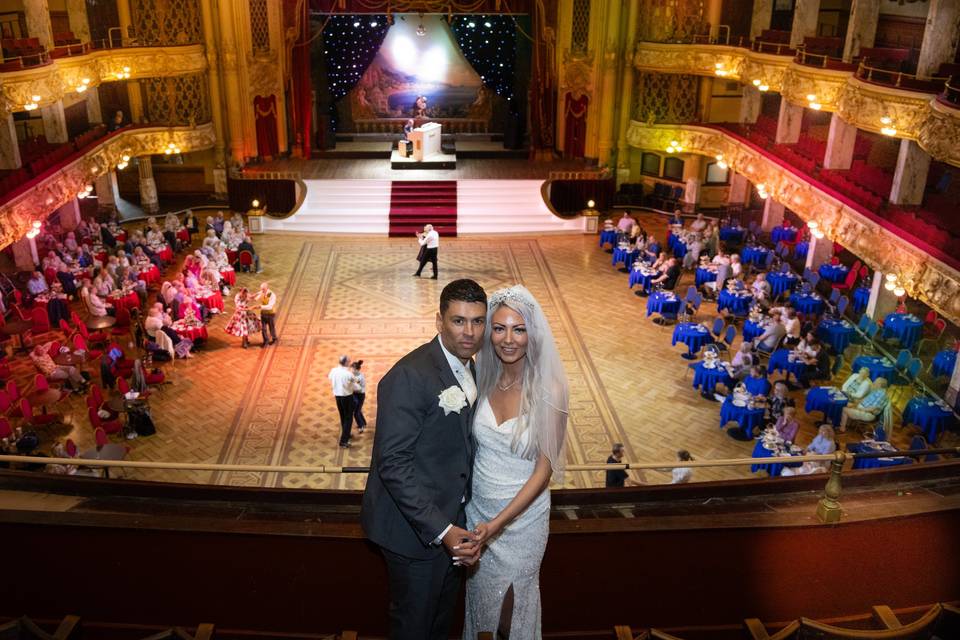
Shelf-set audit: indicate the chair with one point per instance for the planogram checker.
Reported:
(80, 344)
(13, 392)
(814, 279)
(692, 305)
(718, 324)
(246, 260)
(919, 443)
(834, 296)
(729, 336)
(123, 322)
(95, 400)
(37, 420)
(54, 349)
(124, 387)
(97, 337)
(107, 426)
(932, 333)
(40, 383)
(65, 327)
(842, 305)
(903, 359)
(848, 282)
(123, 365)
(39, 320)
(100, 437)
(71, 448)
(837, 365)
(691, 292)
(5, 430)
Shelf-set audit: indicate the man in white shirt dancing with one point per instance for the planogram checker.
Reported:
(429, 243)
(341, 378)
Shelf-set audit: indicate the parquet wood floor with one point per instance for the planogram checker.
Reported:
(356, 296)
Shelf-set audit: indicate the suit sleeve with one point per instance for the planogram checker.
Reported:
(399, 425)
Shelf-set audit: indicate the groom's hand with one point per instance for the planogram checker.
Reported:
(461, 545)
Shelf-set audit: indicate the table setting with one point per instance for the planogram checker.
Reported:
(662, 302)
(125, 298)
(879, 366)
(874, 446)
(829, 400)
(836, 333)
(736, 300)
(709, 372)
(692, 334)
(861, 297)
(624, 252)
(931, 415)
(705, 273)
(190, 328)
(732, 234)
(743, 408)
(783, 234)
(608, 235)
(788, 361)
(780, 283)
(642, 275)
(755, 254)
(905, 327)
(771, 445)
(808, 302)
(833, 272)
(944, 363)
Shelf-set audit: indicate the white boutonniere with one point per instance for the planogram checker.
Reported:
(452, 399)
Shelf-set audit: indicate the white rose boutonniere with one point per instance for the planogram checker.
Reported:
(452, 399)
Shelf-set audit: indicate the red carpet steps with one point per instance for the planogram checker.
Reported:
(414, 203)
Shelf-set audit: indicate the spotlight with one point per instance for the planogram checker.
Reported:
(764, 87)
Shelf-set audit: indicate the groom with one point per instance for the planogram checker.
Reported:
(421, 468)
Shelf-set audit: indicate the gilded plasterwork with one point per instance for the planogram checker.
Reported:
(51, 82)
(923, 276)
(577, 75)
(17, 215)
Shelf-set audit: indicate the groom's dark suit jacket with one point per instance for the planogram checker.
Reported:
(422, 460)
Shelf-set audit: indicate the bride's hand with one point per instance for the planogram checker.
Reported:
(484, 531)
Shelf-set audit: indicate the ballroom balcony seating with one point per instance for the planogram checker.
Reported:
(22, 52)
(884, 58)
(38, 156)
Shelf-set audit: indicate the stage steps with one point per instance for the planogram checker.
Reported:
(414, 203)
(507, 206)
(340, 206)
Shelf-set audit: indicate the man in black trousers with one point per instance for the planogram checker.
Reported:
(341, 379)
(413, 506)
(429, 245)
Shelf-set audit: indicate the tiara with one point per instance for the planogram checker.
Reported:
(516, 293)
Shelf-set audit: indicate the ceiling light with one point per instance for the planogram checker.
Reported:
(899, 292)
(756, 82)
(890, 285)
(891, 277)
(37, 224)
(764, 87)
(813, 224)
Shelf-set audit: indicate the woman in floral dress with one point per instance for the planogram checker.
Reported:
(244, 320)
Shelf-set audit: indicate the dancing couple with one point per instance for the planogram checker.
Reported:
(462, 460)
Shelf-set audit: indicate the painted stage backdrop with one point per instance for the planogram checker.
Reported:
(411, 66)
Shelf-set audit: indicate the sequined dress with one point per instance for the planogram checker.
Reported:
(514, 556)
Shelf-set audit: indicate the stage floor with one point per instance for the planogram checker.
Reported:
(467, 168)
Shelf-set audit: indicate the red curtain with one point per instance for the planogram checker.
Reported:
(265, 110)
(575, 126)
(302, 103)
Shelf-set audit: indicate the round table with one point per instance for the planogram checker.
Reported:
(861, 297)
(873, 463)
(928, 414)
(737, 303)
(194, 333)
(773, 468)
(833, 272)
(68, 359)
(732, 234)
(780, 283)
(623, 254)
(15, 329)
(229, 276)
(879, 367)
(752, 330)
(836, 333)
(44, 397)
(643, 279)
(747, 418)
(800, 251)
(96, 323)
(165, 254)
(212, 301)
(608, 236)
(662, 302)
(694, 335)
(755, 255)
(124, 301)
(944, 363)
(808, 303)
(829, 401)
(780, 361)
(906, 327)
(150, 274)
(704, 275)
(708, 379)
(183, 235)
(783, 234)
(679, 248)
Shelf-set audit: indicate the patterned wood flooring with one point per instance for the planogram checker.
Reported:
(357, 296)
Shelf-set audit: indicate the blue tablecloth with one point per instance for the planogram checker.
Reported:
(626, 255)
(732, 234)
(707, 379)
(784, 234)
(752, 330)
(861, 296)
(872, 463)
(800, 252)
(807, 303)
(879, 367)
(774, 468)
(747, 418)
(780, 361)
(691, 334)
(833, 272)
(781, 282)
(738, 304)
(836, 333)
(944, 362)
(929, 416)
(905, 327)
(663, 303)
(608, 236)
(637, 277)
(754, 255)
(820, 399)
(757, 386)
(704, 275)
(679, 248)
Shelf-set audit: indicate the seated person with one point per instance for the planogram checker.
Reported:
(671, 274)
(757, 383)
(736, 267)
(742, 361)
(857, 385)
(40, 356)
(96, 306)
(694, 248)
(37, 284)
(792, 324)
(699, 224)
(787, 425)
(210, 242)
(760, 289)
(67, 281)
(720, 258)
(824, 444)
(869, 408)
(652, 250)
(778, 402)
(772, 335)
(807, 349)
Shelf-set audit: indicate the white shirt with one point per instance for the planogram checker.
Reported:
(681, 475)
(792, 326)
(342, 380)
(461, 373)
(431, 239)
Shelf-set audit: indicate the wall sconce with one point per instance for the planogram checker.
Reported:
(720, 161)
(33, 104)
(887, 129)
(171, 149)
(719, 70)
(124, 161)
(123, 74)
(674, 147)
(84, 85)
(86, 191)
(762, 191)
(812, 102)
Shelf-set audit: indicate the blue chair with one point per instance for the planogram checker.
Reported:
(784, 268)
(728, 338)
(769, 260)
(693, 305)
(717, 329)
(842, 305)
(919, 443)
(879, 434)
(807, 273)
(834, 296)
(903, 359)
(837, 365)
(691, 292)
(814, 279)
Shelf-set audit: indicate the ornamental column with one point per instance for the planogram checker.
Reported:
(148, 186)
(762, 15)
(750, 104)
(231, 81)
(108, 193)
(939, 37)
(772, 214)
(626, 94)
(54, 122)
(739, 188)
(9, 147)
(862, 28)
(25, 256)
(789, 122)
(692, 177)
(37, 14)
(910, 177)
(77, 14)
(94, 111)
(216, 100)
(840, 143)
(714, 9)
(609, 83)
(123, 16)
(875, 285)
(805, 14)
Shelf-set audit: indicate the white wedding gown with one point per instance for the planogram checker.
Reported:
(513, 557)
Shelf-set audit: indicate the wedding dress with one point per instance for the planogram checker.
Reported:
(512, 558)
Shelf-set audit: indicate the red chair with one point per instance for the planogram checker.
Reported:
(20, 313)
(18, 296)
(50, 274)
(41, 383)
(40, 320)
(847, 283)
(107, 426)
(6, 405)
(98, 337)
(100, 436)
(54, 349)
(95, 401)
(5, 430)
(13, 392)
(834, 260)
(80, 344)
(37, 420)
(65, 327)
(246, 260)
(123, 367)
(123, 322)
(71, 448)
(124, 387)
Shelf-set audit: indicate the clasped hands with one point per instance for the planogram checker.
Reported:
(465, 546)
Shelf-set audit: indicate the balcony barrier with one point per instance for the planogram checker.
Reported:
(899, 79)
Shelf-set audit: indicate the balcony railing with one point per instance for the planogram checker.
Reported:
(899, 79)
(951, 93)
(821, 61)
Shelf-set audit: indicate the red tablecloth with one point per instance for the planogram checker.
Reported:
(183, 236)
(165, 254)
(121, 236)
(150, 275)
(213, 301)
(229, 276)
(194, 333)
(101, 256)
(128, 301)
(232, 256)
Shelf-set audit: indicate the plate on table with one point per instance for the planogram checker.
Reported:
(739, 403)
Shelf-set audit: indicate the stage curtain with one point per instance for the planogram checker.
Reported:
(265, 110)
(575, 126)
(350, 44)
(301, 107)
(490, 50)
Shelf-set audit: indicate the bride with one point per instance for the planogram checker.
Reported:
(519, 428)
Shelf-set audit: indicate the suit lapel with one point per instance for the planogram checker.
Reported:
(450, 380)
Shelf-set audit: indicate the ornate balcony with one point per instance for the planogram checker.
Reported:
(64, 75)
(926, 275)
(914, 114)
(58, 188)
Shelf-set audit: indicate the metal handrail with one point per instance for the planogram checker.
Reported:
(758, 46)
(951, 93)
(803, 54)
(898, 76)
